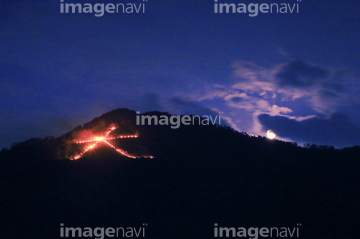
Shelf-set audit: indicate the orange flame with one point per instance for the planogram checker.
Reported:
(105, 139)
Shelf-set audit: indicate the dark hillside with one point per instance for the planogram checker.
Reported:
(200, 175)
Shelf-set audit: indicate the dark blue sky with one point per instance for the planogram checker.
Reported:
(297, 74)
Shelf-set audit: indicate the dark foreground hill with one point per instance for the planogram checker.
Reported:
(201, 175)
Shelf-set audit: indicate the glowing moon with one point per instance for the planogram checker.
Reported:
(270, 134)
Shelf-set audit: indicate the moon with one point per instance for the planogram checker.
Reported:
(270, 134)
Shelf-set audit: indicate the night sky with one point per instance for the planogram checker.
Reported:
(297, 74)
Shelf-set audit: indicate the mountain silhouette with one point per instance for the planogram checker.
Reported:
(200, 175)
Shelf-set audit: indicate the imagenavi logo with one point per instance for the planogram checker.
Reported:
(257, 232)
(99, 9)
(102, 232)
(253, 9)
(175, 121)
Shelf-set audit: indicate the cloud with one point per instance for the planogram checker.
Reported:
(324, 90)
(300, 74)
(303, 101)
(276, 110)
(336, 130)
(250, 71)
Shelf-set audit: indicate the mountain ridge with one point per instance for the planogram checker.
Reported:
(200, 175)
(56, 148)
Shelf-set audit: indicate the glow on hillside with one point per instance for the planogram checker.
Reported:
(104, 139)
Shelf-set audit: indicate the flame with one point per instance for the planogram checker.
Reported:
(105, 139)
